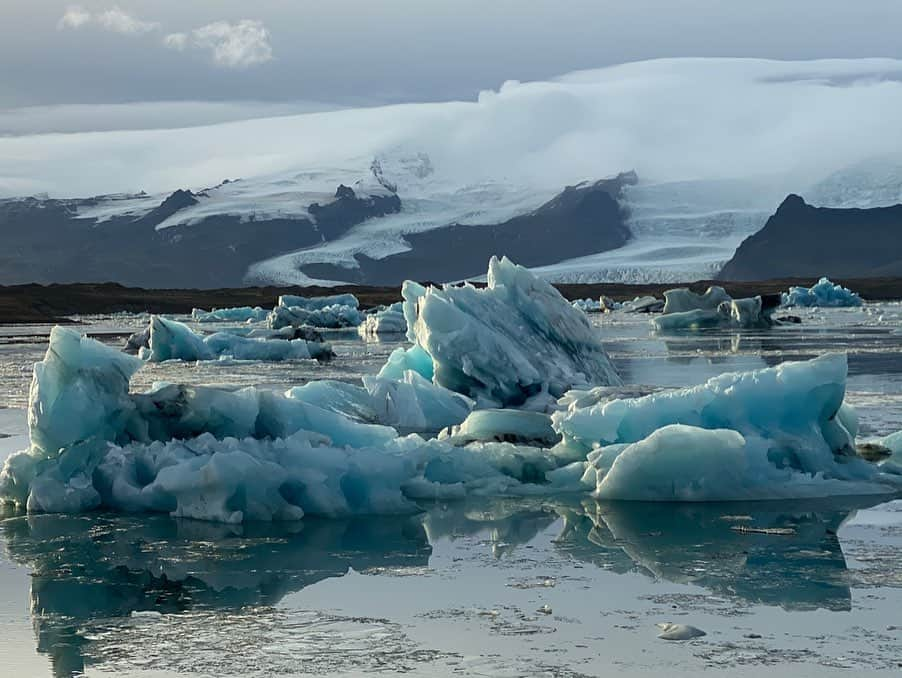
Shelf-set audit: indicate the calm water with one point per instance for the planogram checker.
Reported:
(552, 587)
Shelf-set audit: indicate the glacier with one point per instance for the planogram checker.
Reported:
(171, 340)
(780, 432)
(683, 229)
(823, 293)
(236, 314)
(513, 340)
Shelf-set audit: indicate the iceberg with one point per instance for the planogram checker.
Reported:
(732, 314)
(333, 312)
(172, 340)
(682, 299)
(325, 449)
(824, 293)
(647, 304)
(249, 454)
(515, 340)
(780, 432)
(388, 320)
(318, 303)
(238, 314)
(336, 316)
(588, 305)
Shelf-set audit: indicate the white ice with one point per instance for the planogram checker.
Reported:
(236, 314)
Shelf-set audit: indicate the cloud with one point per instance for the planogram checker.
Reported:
(176, 41)
(238, 45)
(75, 16)
(670, 120)
(114, 19)
(119, 21)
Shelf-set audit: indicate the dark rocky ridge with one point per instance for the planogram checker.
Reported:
(583, 219)
(802, 240)
(45, 241)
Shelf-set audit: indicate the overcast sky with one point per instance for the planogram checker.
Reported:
(366, 51)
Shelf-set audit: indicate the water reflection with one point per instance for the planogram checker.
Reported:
(801, 567)
(89, 568)
(86, 569)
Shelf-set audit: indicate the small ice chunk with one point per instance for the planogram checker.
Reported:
(511, 426)
(389, 320)
(671, 631)
(236, 314)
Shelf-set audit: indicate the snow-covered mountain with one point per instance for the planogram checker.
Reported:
(717, 144)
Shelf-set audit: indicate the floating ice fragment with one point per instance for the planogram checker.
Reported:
(336, 311)
(683, 299)
(389, 320)
(172, 340)
(670, 631)
(236, 314)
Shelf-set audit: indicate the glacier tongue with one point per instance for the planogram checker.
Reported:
(515, 339)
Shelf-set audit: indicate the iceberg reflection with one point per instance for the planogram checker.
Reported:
(90, 569)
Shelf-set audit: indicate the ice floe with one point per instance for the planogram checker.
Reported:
(237, 314)
(171, 340)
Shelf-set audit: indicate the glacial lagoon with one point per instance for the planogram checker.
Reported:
(556, 586)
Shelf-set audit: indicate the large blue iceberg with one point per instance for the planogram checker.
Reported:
(824, 293)
(514, 340)
(230, 456)
(780, 432)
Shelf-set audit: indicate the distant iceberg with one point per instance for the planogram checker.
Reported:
(682, 299)
(824, 293)
(171, 340)
(749, 313)
(331, 312)
(238, 314)
(388, 320)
